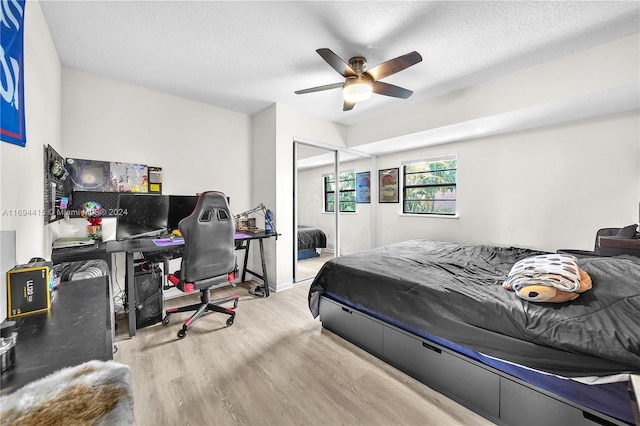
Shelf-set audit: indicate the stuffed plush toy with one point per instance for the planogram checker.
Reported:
(551, 278)
(550, 294)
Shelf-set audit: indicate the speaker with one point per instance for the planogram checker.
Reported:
(148, 289)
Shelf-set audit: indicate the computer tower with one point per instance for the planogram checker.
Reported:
(150, 311)
(148, 294)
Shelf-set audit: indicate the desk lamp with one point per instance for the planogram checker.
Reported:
(242, 219)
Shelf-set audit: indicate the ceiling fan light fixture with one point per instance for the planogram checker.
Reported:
(360, 84)
(356, 89)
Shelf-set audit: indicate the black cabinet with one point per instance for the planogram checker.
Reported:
(77, 328)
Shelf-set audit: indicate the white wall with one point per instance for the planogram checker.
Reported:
(263, 184)
(199, 147)
(21, 172)
(547, 188)
(291, 124)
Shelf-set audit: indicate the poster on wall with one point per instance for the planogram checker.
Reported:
(363, 187)
(88, 175)
(128, 177)
(388, 186)
(12, 126)
(155, 180)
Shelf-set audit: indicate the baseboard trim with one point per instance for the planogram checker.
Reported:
(284, 286)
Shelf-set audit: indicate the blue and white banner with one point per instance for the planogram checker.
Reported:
(12, 128)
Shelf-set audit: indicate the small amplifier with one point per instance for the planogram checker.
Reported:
(28, 288)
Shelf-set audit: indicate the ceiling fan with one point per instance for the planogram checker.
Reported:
(359, 84)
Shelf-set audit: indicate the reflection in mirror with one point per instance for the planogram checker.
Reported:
(315, 227)
(318, 193)
(355, 206)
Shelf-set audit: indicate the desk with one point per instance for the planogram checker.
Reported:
(146, 245)
(130, 247)
(78, 328)
(243, 242)
(89, 252)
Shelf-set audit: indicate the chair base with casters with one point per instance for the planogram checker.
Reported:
(206, 304)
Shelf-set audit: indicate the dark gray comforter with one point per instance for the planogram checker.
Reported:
(310, 237)
(454, 291)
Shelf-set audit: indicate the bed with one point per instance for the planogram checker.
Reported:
(310, 241)
(438, 311)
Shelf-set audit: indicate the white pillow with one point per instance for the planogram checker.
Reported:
(553, 270)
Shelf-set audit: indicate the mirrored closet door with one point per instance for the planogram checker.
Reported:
(322, 232)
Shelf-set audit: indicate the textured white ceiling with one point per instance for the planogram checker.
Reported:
(245, 56)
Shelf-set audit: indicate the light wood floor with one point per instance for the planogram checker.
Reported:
(274, 366)
(308, 268)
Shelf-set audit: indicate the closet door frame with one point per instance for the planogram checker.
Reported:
(338, 153)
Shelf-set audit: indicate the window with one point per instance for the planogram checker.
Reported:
(347, 191)
(430, 186)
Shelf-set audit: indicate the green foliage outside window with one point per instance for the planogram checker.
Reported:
(346, 190)
(430, 187)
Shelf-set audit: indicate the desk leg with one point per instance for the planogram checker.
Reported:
(261, 290)
(246, 257)
(264, 270)
(131, 293)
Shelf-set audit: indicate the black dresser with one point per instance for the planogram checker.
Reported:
(77, 328)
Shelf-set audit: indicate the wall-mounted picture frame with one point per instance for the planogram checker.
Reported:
(388, 185)
(363, 188)
(88, 175)
(128, 177)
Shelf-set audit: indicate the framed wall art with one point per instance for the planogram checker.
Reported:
(388, 185)
(363, 187)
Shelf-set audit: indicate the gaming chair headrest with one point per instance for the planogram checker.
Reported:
(208, 232)
(208, 202)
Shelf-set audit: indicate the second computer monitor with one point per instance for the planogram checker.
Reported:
(180, 206)
(141, 215)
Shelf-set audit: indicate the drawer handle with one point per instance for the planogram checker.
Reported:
(431, 348)
(596, 419)
(346, 310)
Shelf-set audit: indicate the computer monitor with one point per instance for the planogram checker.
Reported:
(141, 215)
(180, 206)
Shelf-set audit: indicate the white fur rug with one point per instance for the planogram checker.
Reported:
(93, 393)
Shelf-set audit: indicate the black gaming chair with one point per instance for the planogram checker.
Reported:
(208, 259)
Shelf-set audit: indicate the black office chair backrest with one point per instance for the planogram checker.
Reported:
(209, 248)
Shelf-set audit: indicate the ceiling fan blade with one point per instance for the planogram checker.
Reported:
(395, 65)
(387, 89)
(319, 88)
(336, 63)
(348, 105)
